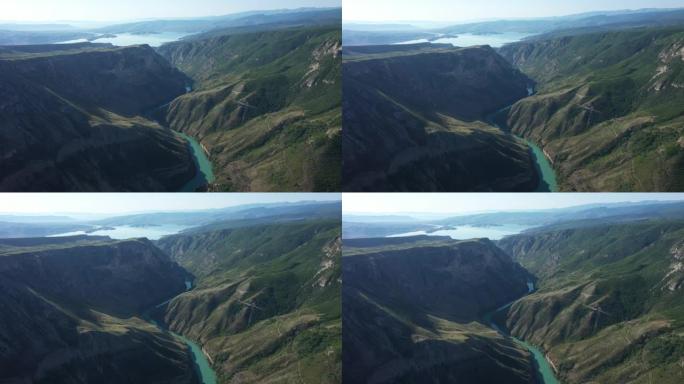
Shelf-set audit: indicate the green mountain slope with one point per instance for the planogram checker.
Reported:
(412, 312)
(70, 120)
(266, 307)
(68, 312)
(609, 308)
(266, 106)
(410, 121)
(608, 111)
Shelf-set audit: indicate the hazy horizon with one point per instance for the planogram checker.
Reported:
(74, 11)
(113, 204)
(473, 203)
(438, 11)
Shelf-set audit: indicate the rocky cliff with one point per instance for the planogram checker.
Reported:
(70, 120)
(414, 121)
(412, 310)
(67, 306)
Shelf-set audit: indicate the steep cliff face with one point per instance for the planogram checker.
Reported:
(127, 81)
(61, 300)
(409, 121)
(69, 121)
(412, 308)
(266, 105)
(465, 83)
(106, 275)
(267, 302)
(609, 305)
(609, 107)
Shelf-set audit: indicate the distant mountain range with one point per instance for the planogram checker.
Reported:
(371, 34)
(362, 226)
(17, 226)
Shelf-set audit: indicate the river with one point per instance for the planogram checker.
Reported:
(202, 365)
(205, 171)
(544, 369)
(547, 176)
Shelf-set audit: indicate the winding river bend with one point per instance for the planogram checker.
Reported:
(545, 371)
(547, 176)
(205, 170)
(202, 366)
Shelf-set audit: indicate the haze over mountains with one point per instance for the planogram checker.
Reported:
(602, 110)
(377, 33)
(248, 102)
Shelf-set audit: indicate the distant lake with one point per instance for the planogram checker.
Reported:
(126, 39)
(468, 39)
(123, 232)
(465, 232)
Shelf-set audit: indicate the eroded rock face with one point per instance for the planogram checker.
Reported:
(674, 279)
(328, 50)
(669, 58)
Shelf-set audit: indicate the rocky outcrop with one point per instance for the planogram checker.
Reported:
(674, 278)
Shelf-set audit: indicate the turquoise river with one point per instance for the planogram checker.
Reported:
(544, 369)
(547, 176)
(205, 170)
(202, 365)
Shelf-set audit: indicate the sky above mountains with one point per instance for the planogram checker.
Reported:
(116, 203)
(459, 203)
(122, 10)
(467, 10)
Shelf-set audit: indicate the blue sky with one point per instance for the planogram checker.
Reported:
(459, 203)
(106, 203)
(120, 10)
(465, 10)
